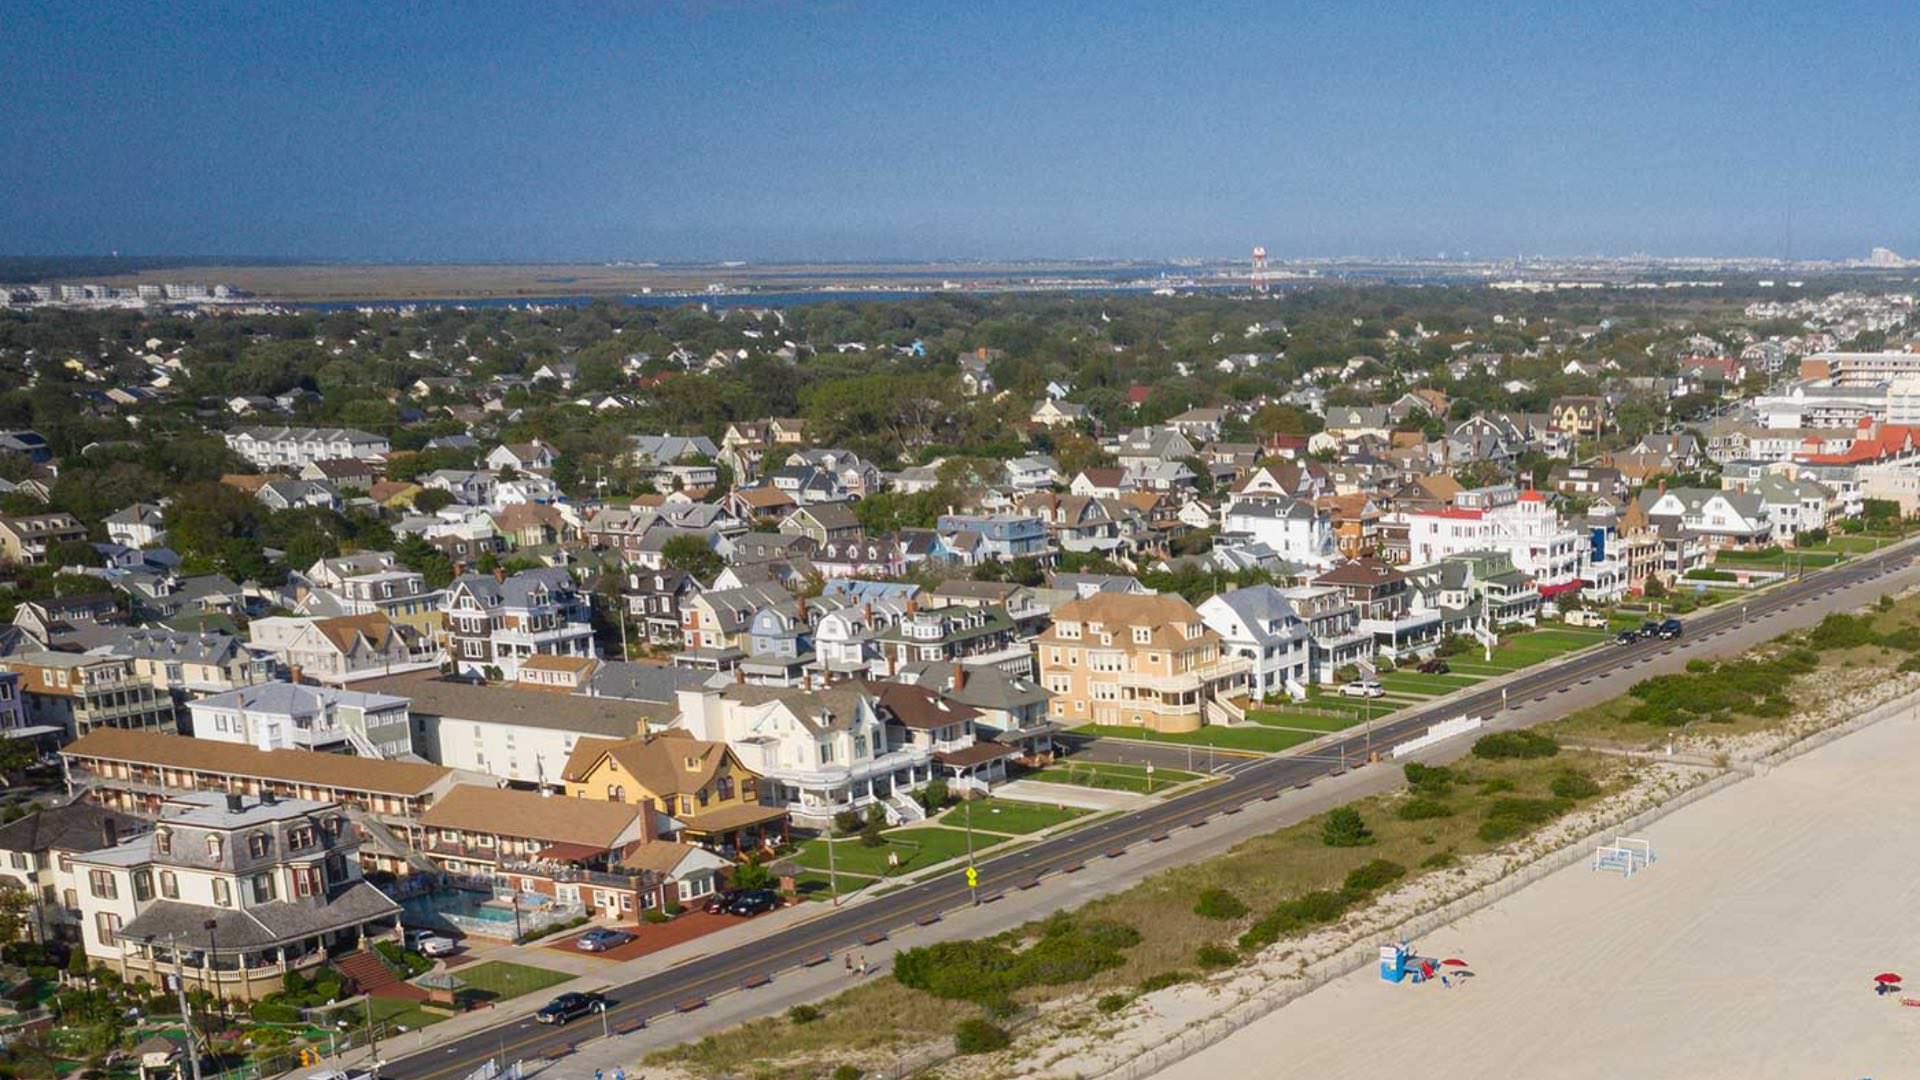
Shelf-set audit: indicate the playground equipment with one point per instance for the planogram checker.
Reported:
(1624, 856)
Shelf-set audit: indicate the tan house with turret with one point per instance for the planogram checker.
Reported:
(699, 783)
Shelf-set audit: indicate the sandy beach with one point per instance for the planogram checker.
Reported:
(1747, 950)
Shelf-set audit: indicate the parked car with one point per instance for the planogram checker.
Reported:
(1650, 628)
(428, 943)
(602, 939)
(1670, 629)
(1435, 666)
(1584, 617)
(1626, 637)
(341, 1074)
(754, 902)
(719, 902)
(1366, 688)
(570, 1006)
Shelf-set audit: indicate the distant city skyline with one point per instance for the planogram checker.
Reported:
(868, 131)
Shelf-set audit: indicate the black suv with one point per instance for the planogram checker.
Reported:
(754, 902)
(568, 1006)
(719, 902)
(1670, 629)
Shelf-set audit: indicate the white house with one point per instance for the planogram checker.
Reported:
(1295, 529)
(1260, 624)
(287, 716)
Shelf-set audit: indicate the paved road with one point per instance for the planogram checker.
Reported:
(821, 940)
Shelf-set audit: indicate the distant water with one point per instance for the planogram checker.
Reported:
(795, 298)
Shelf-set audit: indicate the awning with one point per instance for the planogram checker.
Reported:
(978, 754)
(1549, 591)
(728, 818)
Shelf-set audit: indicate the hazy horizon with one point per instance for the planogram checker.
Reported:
(857, 131)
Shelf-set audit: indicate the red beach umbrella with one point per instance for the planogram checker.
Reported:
(1454, 961)
(1887, 977)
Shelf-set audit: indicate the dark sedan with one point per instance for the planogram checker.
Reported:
(719, 902)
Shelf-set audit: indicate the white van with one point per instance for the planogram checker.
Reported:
(1584, 617)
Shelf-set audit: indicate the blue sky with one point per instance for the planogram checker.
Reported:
(977, 129)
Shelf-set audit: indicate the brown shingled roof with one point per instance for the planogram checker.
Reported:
(530, 815)
(291, 766)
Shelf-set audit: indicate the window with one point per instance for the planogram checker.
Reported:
(169, 885)
(163, 841)
(306, 881)
(19, 860)
(301, 837)
(222, 892)
(107, 926)
(259, 844)
(143, 885)
(214, 847)
(1142, 635)
(102, 885)
(262, 888)
(616, 793)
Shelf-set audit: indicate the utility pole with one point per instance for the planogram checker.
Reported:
(833, 874)
(973, 876)
(373, 1040)
(186, 1014)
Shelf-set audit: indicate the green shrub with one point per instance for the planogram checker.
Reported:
(848, 1072)
(1842, 631)
(1344, 827)
(655, 915)
(1574, 785)
(268, 1012)
(1434, 781)
(1439, 860)
(1374, 875)
(1302, 912)
(1219, 904)
(1699, 666)
(1495, 786)
(1497, 831)
(1213, 957)
(1113, 1003)
(1515, 744)
(1422, 809)
(1163, 980)
(978, 1036)
(803, 1014)
(987, 971)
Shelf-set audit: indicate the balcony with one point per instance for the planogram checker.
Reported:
(1189, 681)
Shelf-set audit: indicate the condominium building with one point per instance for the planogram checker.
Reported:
(289, 716)
(284, 448)
(31, 538)
(1144, 661)
(78, 693)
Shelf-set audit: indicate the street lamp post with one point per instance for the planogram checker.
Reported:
(973, 879)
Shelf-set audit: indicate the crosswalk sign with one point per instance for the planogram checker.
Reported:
(973, 878)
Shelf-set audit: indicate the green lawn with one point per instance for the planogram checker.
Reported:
(1809, 557)
(918, 847)
(1109, 777)
(1256, 739)
(1010, 816)
(499, 980)
(1307, 721)
(1412, 682)
(816, 885)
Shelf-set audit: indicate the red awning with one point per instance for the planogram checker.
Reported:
(1550, 591)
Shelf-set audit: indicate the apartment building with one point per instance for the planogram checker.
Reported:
(78, 693)
(288, 449)
(229, 893)
(30, 538)
(495, 622)
(289, 716)
(345, 648)
(1144, 661)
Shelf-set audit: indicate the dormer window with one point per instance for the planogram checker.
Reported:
(214, 847)
(1142, 635)
(163, 841)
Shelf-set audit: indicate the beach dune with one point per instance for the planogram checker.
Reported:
(1747, 950)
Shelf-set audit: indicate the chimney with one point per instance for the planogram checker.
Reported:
(959, 676)
(459, 567)
(233, 802)
(293, 673)
(500, 574)
(803, 608)
(739, 675)
(109, 833)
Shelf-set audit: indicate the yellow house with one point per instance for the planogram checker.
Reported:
(698, 783)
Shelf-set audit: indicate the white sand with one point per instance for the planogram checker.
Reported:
(1747, 950)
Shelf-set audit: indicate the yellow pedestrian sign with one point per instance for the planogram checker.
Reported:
(973, 878)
